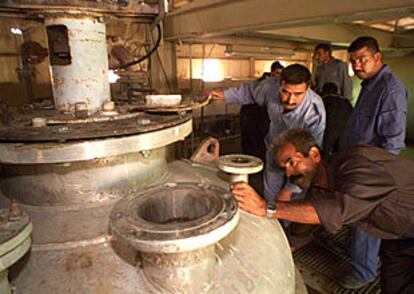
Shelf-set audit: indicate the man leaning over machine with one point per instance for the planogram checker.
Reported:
(364, 186)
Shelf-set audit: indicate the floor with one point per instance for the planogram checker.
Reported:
(323, 260)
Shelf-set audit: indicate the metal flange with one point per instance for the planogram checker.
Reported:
(239, 166)
(175, 217)
(15, 241)
(20, 153)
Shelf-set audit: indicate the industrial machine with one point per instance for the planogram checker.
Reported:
(110, 213)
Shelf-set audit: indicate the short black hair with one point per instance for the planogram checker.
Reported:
(324, 47)
(296, 74)
(366, 41)
(330, 88)
(302, 139)
(276, 65)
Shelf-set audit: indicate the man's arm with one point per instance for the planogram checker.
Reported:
(250, 201)
(392, 119)
(315, 121)
(298, 212)
(243, 94)
(284, 195)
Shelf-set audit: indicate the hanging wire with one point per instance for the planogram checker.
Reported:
(149, 53)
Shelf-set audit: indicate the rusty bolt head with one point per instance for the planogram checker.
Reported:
(63, 129)
(15, 211)
(145, 153)
(81, 106)
(143, 121)
(81, 110)
(38, 122)
(108, 106)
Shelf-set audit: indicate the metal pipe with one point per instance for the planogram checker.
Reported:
(79, 63)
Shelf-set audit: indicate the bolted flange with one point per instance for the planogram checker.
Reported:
(239, 166)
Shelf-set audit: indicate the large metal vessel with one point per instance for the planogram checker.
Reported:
(110, 214)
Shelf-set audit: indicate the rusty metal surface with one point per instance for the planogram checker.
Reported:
(11, 226)
(207, 152)
(18, 153)
(183, 272)
(119, 7)
(19, 129)
(79, 61)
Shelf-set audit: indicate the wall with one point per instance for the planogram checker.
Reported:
(12, 89)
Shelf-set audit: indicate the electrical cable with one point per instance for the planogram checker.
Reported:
(162, 68)
(148, 54)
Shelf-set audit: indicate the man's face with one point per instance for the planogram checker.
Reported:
(322, 56)
(300, 170)
(365, 63)
(292, 96)
(277, 72)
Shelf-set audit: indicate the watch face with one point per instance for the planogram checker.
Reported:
(271, 206)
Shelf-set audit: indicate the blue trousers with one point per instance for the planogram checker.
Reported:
(364, 255)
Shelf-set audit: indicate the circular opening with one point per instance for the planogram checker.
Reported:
(211, 148)
(240, 160)
(174, 207)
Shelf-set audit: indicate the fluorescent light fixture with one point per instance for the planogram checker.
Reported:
(258, 54)
(213, 71)
(16, 31)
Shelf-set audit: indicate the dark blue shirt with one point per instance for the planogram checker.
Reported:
(379, 117)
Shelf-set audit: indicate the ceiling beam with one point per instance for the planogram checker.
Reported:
(343, 35)
(253, 40)
(230, 17)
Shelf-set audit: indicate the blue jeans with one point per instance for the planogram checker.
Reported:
(364, 255)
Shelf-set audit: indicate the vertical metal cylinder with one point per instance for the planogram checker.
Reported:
(79, 61)
(183, 272)
(235, 178)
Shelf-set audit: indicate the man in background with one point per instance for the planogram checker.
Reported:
(331, 70)
(338, 110)
(254, 121)
(379, 119)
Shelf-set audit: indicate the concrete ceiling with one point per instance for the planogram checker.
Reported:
(292, 24)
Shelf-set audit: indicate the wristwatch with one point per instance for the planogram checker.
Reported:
(270, 209)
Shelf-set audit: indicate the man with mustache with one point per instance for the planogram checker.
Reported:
(364, 186)
(379, 119)
(290, 103)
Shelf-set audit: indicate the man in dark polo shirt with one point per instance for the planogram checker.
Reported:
(364, 186)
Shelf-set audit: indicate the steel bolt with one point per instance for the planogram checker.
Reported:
(15, 211)
(39, 122)
(145, 153)
(63, 129)
(108, 106)
(81, 110)
(224, 215)
(143, 121)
